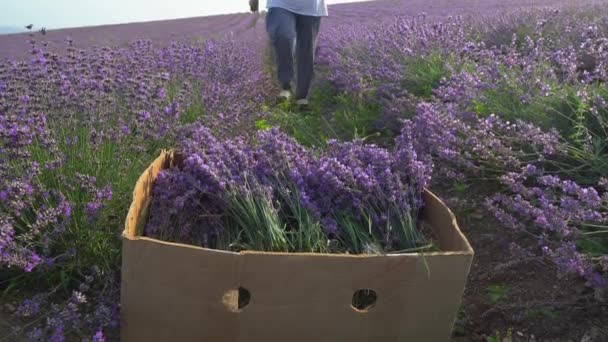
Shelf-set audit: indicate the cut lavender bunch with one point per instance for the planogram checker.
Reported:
(270, 193)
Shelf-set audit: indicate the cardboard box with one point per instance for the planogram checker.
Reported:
(177, 292)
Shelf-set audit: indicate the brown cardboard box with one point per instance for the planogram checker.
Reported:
(177, 292)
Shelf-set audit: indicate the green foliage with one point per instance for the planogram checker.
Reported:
(331, 116)
(257, 223)
(262, 125)
(541, 313)
(460, 188)
(309, 235)
(594, 242)
(583, 126)
(192, 114)
(497, 337)
(262, 225)
(97, 242)
(423, 74)
(497, 292)
(257, 218)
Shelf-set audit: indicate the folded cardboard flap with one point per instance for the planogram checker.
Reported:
(444, 224)
(142, 194)
(173, 291)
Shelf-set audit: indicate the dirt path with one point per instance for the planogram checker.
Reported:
(6, 328)
(522, 295)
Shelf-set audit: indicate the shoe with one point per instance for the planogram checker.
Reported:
(285, 95)
(302, 102)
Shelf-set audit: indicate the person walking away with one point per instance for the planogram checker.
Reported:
(293, 27)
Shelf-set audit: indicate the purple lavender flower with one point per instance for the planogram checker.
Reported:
(99, 337)
(34, 260)
(57, 335)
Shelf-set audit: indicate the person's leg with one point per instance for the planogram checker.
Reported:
(307, 30)
(281, 27)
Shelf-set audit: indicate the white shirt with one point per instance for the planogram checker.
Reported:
(315, 8)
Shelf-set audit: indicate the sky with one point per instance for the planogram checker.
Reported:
(54, 14)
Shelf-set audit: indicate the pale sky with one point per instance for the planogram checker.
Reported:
(54, 14)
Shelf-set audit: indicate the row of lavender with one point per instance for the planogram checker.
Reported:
(518, 100)
(76, 130)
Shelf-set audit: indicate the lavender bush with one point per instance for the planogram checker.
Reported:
(562, 216)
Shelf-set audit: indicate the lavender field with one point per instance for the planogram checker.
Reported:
(499, 107)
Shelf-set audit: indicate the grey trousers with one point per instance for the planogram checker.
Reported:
(290, 32)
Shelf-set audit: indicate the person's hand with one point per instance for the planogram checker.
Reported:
(253, 5)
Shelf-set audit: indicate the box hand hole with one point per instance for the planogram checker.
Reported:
(364, 300)
(235, 300)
